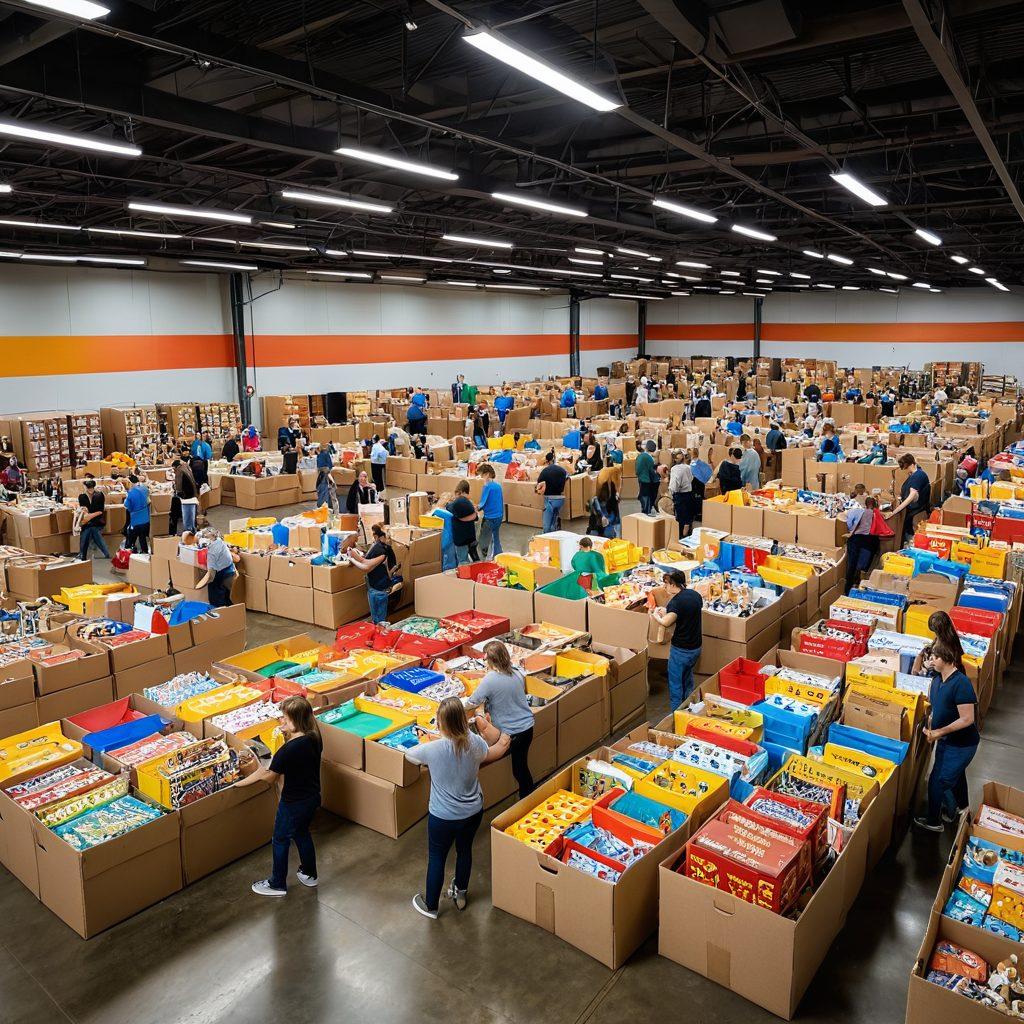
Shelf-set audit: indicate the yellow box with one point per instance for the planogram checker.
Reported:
(520, 568)
(915, 620)
(238, 539)
(790, 565)
(799, 691)
(621, 554)
(152, 780)
(34, 751)
(782, 579)
(431, 523)
(857, 761)
(549, 819)
(898, 565)
(216, 702)
(680, 785)
(990, 562)
(363, 664)
(593, 664)
(716, 725)
(869, 676)
(416, 706)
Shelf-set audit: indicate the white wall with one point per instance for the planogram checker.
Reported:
(854, 328)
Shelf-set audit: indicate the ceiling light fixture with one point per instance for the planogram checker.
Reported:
(374, 254)
(5, 189)
(921, 284)
(895, 276)
(770, 273)
(685, 211)
(343, 273)
(693, 266)
(681, 293)
(876, 271)
(77, 8)
(41, 226)
(802, 277)
(960, 259)
(40, 133)
(840, 259)
(277, 224)
(754, 233)
(521, 60)
(218, 266)
(851, 287)
(929, 236)
(342, 201)
(48, 257)
(632, 252)
(118, 261)
(814, 255)
(891, 291)
(997, 284)
(189, 212)
(589, 263)
(132, 234)
(823, 285)
(537, 204)
(462, 284)
(731, 273)
(977, 270)
(622, 295)
(484, 243)
(396, 163)
(516, 287)
(859, 189)
(589, 252)
(632, 277)
(402, 277)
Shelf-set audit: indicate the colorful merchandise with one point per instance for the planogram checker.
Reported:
(153, 746)
(105, 823)
(180, 689)
(189, 774)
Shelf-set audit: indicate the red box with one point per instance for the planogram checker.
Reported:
(480, 625)
(719, 855)
(355, 634)
(977, 621)
(489, 573)
(738, 814)
(741, 681)
(816, 833)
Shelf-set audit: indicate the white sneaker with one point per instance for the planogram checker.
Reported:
(264, 888)
(309, 881)
(458, 896)
(419, 904)
(925, 824)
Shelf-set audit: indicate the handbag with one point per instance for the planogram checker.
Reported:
(119, 561)
(879, 527)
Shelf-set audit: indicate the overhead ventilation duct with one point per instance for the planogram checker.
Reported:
(742, 27)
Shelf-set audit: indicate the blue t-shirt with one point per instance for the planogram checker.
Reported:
(502, 404)
(568, 398)
(734, 428)
(702, 471)
(446, 528)
(853, 393)
(136, 503)
(492, 500)
(918, 481)
(200, 450)
(944, 698)
(600, 393)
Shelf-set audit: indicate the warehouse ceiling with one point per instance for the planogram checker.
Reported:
(737, 111)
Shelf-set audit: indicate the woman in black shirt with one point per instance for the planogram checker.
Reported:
(379, 564)
(362, 492)
(729, 478)
(299, 762)
(94, 518)
(464, 517)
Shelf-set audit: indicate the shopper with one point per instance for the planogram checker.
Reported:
(136, 508)
(324, 465)
(94, 518)
(379, 564)
(13, 478)
(568, 399)
(953, 729)
(586, 561)
(456, 800)
(251, 439)
(750, 463)
(647, 477)
(945, 636)
(220, 569)
(829, 449)
(378, 464)
(728, 474)
(362, 492)
(288, 437)
(464, 517)
(492, 509)
(503, 404)
(187, 490)
(680, 489)
(298, 761)
(502, 692)
(601, 389)
(416, 415)
(551, 484)
(683, 612)
(478, 430)
(231, 448)
(459, 390)
(449, 557)
(861, 542)
(915, 495)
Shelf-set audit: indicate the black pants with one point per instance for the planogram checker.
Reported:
(519, 751)
(175, 516)
(442, 834)
(377, 469)
(860, 553)
(138, 535)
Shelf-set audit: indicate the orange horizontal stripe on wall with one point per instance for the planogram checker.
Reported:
(49, 356)
(52, 355)
(894, 333)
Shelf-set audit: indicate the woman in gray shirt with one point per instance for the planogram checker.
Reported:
(503, 693)
(456, 800)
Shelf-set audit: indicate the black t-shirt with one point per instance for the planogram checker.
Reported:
(729, 477)
(687, 605)
(918, 481)
(553, 478)
(888, 405)
(379, 577)
(94, 503)
(463, 533)
(230, 449)
(299, 762)
(812, 393)
(702, 408)
(945, 698)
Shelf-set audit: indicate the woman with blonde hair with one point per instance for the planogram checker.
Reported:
(502, 692)
(456, 800)
(298, 761)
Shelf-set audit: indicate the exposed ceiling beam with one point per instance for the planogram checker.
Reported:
(938, 48)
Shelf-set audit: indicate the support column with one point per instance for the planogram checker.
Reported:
(237, 296)
(574, 334)
(641, 329)
(758, 305)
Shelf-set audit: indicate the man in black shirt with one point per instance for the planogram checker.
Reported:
(551, 484)
(812, 392)
(729, 478)
(464, 517)
(94, 518)
(230, 449)
(378, 564)
(915, 495)
(683, 611)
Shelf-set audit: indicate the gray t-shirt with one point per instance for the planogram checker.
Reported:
(505, 697)
(455, 791)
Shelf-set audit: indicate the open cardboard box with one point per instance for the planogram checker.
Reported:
(372, 802)
(515, 605)
(607, 922)
(445, 594)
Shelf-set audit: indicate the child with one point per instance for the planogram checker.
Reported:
(299, 762)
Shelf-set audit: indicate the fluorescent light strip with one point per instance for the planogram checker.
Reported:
(681, 293)
(876, 271)
(935, 291)
(693, 266)
(632, 277)
(802, 277)
(537, 204)
(463, 284)
(348, 204)
(929, 236)
(835, 258)
(770, 273)
(622, 295)
(276, 246)
(335, 252)
(277, 224)
(526, 63)
(685, 211)
(754, 295)
(118, 261)
(891, 291)
(373, 254)
(632, 252)
(895, 276)
(516, 287)
(396, 163)
(590, 252)
(132, 234)
(485, 243)
(763, 236)
(686, 277)
(727, 291)
(763, 280)
(960, 259)
(4, 254)
(218, 266)
(78, 8)
(39, 225)
(402, 277)
(977, 270)
(997, 284)
(189, 212)
(921, 284)
(5, 189)
(588, 263)
(851, 288)
(41, 133)
(730, 273)
(822, 285)
(343, 273)
(859, 189)
(814, 255)
(655, 259)
(498, 270)
(48, 258)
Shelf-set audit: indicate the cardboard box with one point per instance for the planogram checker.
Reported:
(29, 578)
(295, 572)
(290, 602)
(515, 605)
(93, 890)
(444, 594)
(19, 718)
(51, 678)
(379, 805)
(135, 680)
(73, 699)
(333, 579)
(201, 657)
(561, 611)
(225, 622)
(333, 610)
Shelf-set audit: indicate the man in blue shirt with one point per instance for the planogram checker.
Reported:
(200, 449)
(378, 463)
(601, 391)
(502, 404)
(568, 398)
(136, 507)
(220, 569)
(492, 511)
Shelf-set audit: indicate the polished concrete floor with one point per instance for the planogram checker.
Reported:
(356, 950)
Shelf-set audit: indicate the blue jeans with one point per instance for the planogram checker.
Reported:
(378, 603)
(91, 535)
(449, 559)
(441, 834)
(292, 826)
(552, 512)
(188, 517)
(947, 784)
(489, 538)
(218, 590)
(680, 674)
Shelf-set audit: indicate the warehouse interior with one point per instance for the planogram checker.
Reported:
(220, 215)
